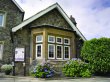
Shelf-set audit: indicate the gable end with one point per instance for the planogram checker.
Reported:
(36, 16)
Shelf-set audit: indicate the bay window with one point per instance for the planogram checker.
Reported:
(58, 47)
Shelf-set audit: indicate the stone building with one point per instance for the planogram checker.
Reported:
(10, 16)
(48, 35)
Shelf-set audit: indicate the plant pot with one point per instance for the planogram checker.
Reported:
(7, 72)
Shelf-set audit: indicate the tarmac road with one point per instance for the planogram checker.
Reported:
(30, 79)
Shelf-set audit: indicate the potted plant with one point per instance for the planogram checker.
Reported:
(7, 68)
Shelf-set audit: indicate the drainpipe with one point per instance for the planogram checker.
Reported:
(13, 52)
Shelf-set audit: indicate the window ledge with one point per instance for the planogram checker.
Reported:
(56, 60)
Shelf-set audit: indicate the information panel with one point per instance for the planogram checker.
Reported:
(19, 54)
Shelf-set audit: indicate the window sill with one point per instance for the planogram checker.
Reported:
(57, 60)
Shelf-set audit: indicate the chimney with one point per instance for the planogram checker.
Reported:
(73, 20)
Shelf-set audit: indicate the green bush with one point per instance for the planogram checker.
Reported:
(76, 68)
(97, 53)
(7, 68)
(85, 73)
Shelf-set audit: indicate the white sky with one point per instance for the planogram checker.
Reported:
(92, 16)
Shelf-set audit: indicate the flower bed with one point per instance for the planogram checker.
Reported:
(42, 71)
(76, 68)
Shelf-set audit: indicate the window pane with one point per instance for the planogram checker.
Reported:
(51, 50)
(66, 52)
(66, 41)
(59, 51)
(51, 39)
(38, 50)
(59, 40)
(1, 20)
(39, 38)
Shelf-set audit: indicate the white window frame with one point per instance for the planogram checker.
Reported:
(1, 45)
(61, 52)
(41, 39)
(51, 41)
(54, 51)
(2, 20)
(69, 53)
(68, 41)
(41, 51)
(59, 42)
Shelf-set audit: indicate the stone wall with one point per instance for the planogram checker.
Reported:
(79, 44)
(13, 17)
(53, 18)
(22, 39)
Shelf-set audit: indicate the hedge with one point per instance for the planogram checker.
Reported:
(97, 53)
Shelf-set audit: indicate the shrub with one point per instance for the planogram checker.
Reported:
(85, 73)
(42, 71)
(7, 68)
(97, 53)
(76, 68)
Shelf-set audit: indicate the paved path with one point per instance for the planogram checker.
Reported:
(29, 79)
